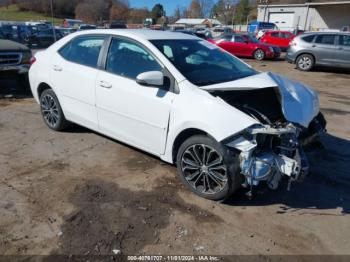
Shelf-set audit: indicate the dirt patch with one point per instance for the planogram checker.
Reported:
(140, 161)
(108, 217)
(335, 95)
(347, 103)
(334, 111)
(4, 103)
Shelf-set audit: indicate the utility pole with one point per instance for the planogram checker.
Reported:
(52, 21)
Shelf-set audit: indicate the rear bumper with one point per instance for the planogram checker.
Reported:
(291, 56)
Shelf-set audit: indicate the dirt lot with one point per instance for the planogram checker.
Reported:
(78, 192)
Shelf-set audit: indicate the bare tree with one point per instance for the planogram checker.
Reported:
(194, 10)
(119, 10)
(206, 7)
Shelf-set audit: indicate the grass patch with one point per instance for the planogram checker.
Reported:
(12, 13)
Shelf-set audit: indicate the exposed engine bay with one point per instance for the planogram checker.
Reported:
(274, 148)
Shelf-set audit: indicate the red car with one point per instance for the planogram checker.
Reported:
(244, 45)
(279, 38)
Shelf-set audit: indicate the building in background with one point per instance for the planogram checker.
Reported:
(311, 16)
(198, 22)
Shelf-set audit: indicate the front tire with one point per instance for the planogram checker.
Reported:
(207, 168)
(305, 62)
(259, 54)
(51, 111)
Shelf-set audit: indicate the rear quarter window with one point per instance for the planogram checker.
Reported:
(308, 38)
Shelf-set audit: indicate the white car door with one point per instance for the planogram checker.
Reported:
(73, 76)
(133, 113)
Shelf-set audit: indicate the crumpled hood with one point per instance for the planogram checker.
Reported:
(299, 103)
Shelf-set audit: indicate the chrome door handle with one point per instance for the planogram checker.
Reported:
(104, 84)
(57, 68)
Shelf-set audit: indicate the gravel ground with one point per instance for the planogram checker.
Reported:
(78, 192)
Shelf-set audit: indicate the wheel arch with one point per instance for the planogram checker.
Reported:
(305, 53)
(42, 87)
(182, 137)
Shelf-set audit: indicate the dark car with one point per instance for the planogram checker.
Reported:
(86, 27)
(2, 36)
(320, 49)
(15, 59)
(117, 25)
(45, 38)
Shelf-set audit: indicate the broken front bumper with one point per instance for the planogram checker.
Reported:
(269, 153)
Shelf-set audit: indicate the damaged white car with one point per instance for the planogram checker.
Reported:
(184, 100)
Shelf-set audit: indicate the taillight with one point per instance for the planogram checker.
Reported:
(292, 43)
(32, 60)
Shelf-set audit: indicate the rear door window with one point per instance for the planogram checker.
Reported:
(83, 50)
(238, 39)
(325, 39)
(275, 34)
(344, 40)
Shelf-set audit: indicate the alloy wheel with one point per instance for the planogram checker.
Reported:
(49, 110)
(305, 63)
(203, 168)
(259, 54)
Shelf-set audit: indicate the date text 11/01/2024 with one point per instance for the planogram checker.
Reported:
(173, 258)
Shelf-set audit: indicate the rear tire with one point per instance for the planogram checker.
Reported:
(259, 54)
(51, 111)
(208, 168)
(305, 62)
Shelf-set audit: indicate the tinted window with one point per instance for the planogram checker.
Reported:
(129, 59)
(239, 39)
(308, 38)
(275, 34)
(83, 50)
(203, 63)
(227, 38)
(285, 35)
(325, 39)
(344, 40)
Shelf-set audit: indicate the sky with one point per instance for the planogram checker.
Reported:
(169, 5)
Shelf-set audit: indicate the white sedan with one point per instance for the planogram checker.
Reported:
(182, 99)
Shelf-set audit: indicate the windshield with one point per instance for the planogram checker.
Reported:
(203, 63)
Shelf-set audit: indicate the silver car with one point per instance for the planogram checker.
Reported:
(320, 49)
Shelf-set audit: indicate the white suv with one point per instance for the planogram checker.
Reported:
(182, 99)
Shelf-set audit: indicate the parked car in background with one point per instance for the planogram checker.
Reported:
(245, 45)
(45, 38)
(2, 36)
(223, 124)
(118, 24)
(66, 31)
(278, 38)
(255, 26)
(15, 59)
(320, 49)
(86, 27)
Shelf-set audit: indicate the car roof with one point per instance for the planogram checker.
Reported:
(146, 34)
(325, 33)
(277, 31)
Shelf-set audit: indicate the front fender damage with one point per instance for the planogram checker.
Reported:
(269, 153)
